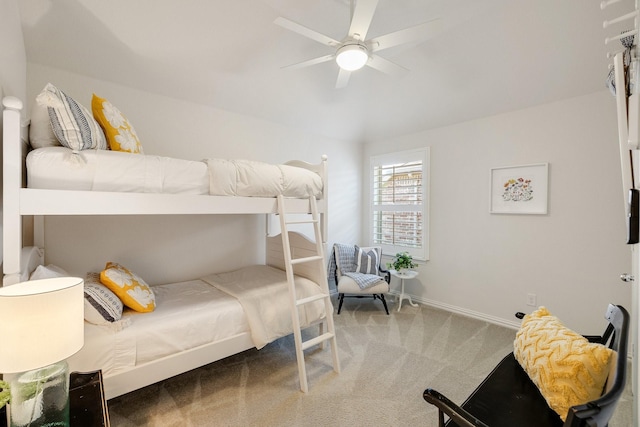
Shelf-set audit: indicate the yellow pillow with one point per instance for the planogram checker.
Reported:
(121, 136)
(567, 369)
(131, 289)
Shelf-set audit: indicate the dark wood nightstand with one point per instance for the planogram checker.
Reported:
(87, 405)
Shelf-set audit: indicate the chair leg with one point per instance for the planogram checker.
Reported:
(340, 300)
(384, 302)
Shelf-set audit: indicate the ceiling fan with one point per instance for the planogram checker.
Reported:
(355, 51)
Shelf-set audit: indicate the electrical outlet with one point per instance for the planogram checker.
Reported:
(531, 300)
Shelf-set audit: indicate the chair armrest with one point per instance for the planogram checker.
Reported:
(594, 338)
(455, 412)
(387, 275)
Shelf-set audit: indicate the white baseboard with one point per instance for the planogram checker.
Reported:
(465, 312)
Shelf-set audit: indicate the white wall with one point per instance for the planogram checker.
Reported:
(13, 61)
(486, 264)
(163, 249)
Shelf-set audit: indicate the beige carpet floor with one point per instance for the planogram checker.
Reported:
(387, 362)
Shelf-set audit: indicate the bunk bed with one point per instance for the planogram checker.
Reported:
(207, 300)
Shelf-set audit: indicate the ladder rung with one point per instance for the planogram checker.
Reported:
(317, 340)
(312, 298)
(307, 259)
(302, 221)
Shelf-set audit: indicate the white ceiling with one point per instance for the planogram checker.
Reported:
(492, 56)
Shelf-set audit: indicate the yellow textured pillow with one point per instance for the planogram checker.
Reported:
(567, 369)
(121, 136)
(131, 289)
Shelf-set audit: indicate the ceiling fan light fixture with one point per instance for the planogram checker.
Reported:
(352, 57)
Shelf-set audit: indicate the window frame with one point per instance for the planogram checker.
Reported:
(423, 154)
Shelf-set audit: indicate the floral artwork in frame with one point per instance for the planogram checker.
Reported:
(520, 189)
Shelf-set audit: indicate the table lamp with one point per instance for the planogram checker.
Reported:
(42, 324)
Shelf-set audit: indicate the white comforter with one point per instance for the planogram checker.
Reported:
(250, 178)
(106, 170)
(262, 292)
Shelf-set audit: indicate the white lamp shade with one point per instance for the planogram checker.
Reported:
(352, 57)
(42, 322)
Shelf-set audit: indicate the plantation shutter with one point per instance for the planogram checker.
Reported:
(398, 202)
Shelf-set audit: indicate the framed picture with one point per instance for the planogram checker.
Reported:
(520, 189)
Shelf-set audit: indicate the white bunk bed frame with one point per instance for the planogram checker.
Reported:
(628, 114)
(19, 201)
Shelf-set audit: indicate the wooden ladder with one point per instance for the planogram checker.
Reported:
(329, 334)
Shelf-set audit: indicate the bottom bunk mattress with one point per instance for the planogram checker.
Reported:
(195, 313)
(187, 315)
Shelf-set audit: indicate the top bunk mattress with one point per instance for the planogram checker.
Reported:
(58, 168)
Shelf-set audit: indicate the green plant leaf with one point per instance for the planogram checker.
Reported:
(402, 260)
(5, 393)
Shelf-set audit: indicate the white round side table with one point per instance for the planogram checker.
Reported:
(402, 275)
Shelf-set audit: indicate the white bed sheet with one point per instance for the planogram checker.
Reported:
(187, 315)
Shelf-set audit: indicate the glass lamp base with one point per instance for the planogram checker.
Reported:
(40, 398)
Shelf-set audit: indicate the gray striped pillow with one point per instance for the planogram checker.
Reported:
(101, 306)
(367, 260)
(72, 124)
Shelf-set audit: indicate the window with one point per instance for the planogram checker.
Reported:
(399, 202)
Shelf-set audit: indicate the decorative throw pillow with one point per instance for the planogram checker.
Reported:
(121, 136)
(131, 289)
(367, 260)
(101, 306)
(48, 272)
(567, 369)
(72, 124)
(40, 130)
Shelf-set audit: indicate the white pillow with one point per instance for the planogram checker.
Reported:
(40, 131)
(48, 272)
(73, 125)
(101, 306)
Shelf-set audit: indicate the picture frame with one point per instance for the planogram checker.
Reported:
(520, 189)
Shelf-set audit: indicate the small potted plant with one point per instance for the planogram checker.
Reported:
(402, 261)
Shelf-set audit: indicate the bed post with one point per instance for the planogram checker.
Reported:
(325, 199)
(12, 181)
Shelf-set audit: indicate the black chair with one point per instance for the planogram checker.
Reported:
(507, 397)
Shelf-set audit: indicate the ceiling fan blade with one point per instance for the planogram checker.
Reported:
(343, 78)
(416, 33)
(310, 62)
(307, 32)
(361, 19)
(386, 66)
